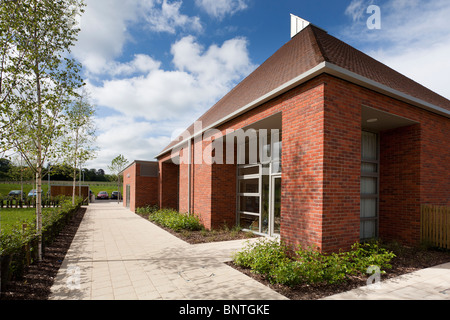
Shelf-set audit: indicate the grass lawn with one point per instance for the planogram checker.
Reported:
(11, 217)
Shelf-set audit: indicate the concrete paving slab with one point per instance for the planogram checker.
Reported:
(117, 255)
(426, 284)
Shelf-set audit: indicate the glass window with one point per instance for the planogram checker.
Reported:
(277, 205)
(369, 146)
(368, 229)
(248, 170)
(265, 204)
(368, 208)
(250, 222)
(249, 185)
(367, 167)
(368, 185)
(249, 204)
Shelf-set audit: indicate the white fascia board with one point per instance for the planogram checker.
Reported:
(378, 87)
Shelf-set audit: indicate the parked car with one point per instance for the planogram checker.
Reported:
(15, 194)
(115, 194)
(103, 195)
(33, 193)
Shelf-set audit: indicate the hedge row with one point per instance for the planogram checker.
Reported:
(18, 248)
(30, 202)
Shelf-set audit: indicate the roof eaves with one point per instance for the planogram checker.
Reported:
(313, 72)
(378, 87)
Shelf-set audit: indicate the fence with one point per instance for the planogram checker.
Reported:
(435, 226)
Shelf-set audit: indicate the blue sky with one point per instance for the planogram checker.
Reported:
(154, 66)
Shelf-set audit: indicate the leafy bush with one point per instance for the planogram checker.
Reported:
(262, 255)
(147, 210)
(363, 255)
(175, 220)
(271, 258)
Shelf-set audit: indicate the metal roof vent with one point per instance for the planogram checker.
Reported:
(297, 24)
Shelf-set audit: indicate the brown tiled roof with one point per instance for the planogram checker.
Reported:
(343, 55)
(303, 52)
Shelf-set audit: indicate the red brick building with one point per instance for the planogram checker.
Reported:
(140, 184)
(362, 148)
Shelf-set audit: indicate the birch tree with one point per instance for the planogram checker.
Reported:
(44, 82)
(116, 166)
(78, 142)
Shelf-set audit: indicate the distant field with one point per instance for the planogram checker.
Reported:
(95, 186)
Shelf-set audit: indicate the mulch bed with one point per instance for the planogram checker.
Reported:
(39, 277)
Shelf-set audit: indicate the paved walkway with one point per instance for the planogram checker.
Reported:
(426, 284)
(119, 255)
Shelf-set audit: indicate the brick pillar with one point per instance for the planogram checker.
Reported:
(169, 185)
(399, 212)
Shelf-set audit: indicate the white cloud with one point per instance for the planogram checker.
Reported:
(169, 19)
(414, 39)
(200, 79)
(151, 101)
(104, 30)
(220, 8)
(105, 24)
(136, 140)
(357, 8)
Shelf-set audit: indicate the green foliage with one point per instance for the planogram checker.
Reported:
(175, 220)
(262, 256)
(309, 266)
(147, 210)
(14, 237)
(16, 243)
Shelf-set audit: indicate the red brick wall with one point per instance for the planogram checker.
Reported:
(302, 166)
(169, 185)
(129, 178)
(414, 168)
(400, 184)
(183, 188)
(143, 190)
(202, 185)
(223, 201)
(321, 163)
(341, 166)
(435, 160)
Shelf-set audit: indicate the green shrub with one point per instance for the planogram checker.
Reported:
(262, 255)
(147, 210)
(270, 258)
(175, 220)
(363, 255)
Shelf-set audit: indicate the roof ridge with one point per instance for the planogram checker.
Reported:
(314, 30)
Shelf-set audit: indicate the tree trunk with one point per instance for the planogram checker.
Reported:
(75, 168)
(39, 151)
(39, 210)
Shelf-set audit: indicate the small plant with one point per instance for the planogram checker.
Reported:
(147, 209)
(308, 265)
(175, 220)
(262, 256)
